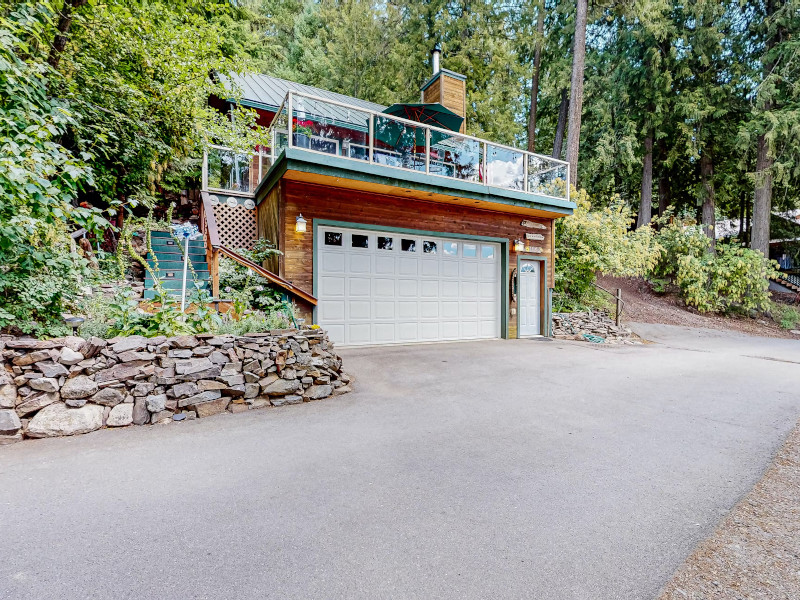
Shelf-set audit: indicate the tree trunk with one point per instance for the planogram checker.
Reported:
(762, 202)
(707, 216)
(646, 204)
(62, 30)
(576, 91)
(537, 62)
(742, 200)
(664, 193)
(558, 142)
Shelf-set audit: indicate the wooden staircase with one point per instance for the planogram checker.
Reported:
(789, 281)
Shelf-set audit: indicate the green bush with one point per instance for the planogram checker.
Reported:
(598, 241)
(788, 317)
(732, 277)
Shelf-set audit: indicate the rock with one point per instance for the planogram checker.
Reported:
(140, 413)
(132, 355)
(108, 397)
(192, 365)
(197, 399)
(183, 389)
(238, 408)
(142, 389)
(8, 395)
(125, 371)
(281, 387)
(290, 399)
(251, 390)
(79, 387)
(69, 356)
(260, 403)
(76, 402)
(213, 407)
(133, 342)
(92, 346)
(161, 417)
(52, 369)
(342, 390)
(209, 384)
(185, 341)
(36, 402)
(6, 440)
(179, 416)
(31, 357)
(58, 419)
(207, 374)
(73, 342)
(120, 416)
(316, 392)
(156, 403)
(202, 351)
(264, 383)
(9, 422)
(219, 358)
(232, 380)
(31, 344)
(44, 384)
(180, 353)
(795, 331)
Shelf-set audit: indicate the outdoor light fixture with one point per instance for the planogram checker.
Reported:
(300, 224)
(519, 245)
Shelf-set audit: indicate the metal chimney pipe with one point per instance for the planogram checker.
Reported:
(436, 53)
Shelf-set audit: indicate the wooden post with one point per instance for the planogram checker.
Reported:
(213, 271)
(619, 303)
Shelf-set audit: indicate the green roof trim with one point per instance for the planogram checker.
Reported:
(309, 161)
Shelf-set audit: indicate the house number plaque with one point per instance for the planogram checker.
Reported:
(534, 249)
(533, 225)
(534, 236)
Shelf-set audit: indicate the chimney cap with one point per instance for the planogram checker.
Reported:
(437, 47)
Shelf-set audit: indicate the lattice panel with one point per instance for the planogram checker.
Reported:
(236, 225)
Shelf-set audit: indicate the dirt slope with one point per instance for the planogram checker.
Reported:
(642, 305)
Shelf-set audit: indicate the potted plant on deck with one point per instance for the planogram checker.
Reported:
(302, 133)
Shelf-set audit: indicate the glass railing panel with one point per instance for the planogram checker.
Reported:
(330, 128)
(505, 168)
(547, 177)
(399, 144)
(456, 156)
(232, 171)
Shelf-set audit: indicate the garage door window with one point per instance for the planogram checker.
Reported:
(360, 241)
(450, 248)
(487, 251)
(384, 243)
(408, 245)
(333, 238)
(429, 247)
(470, 250)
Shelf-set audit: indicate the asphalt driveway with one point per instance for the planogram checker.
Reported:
(507, 469)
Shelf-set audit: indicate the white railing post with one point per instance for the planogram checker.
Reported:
(427, 151)
(290, 141)
(205, 170)
(371, 149)
(525, 171)
(485, 163)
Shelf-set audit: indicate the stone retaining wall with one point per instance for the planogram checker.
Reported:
(72, 385)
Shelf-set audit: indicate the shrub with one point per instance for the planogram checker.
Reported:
(592, 241)
(732, 277)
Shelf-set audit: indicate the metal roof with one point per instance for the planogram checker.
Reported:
(262, 91)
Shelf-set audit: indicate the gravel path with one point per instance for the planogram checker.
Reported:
(755, 551)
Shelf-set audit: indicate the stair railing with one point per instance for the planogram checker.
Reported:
(208, 226)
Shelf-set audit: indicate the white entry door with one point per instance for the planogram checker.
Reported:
(529, 298)
(379, 287)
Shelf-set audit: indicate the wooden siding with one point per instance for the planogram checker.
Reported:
(454, 97)
(336, 204)
(433, 93)
(268, 226)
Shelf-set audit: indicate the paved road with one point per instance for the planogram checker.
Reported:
(507, 469)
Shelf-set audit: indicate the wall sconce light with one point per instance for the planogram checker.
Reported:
(519, 245)
(300, 224)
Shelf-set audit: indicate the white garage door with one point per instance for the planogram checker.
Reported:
(382, 288)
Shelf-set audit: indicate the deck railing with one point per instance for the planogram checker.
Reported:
(335, 128)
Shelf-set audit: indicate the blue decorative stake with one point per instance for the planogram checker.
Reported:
(188, 232)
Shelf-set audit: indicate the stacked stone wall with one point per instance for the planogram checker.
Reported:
(73, 385)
